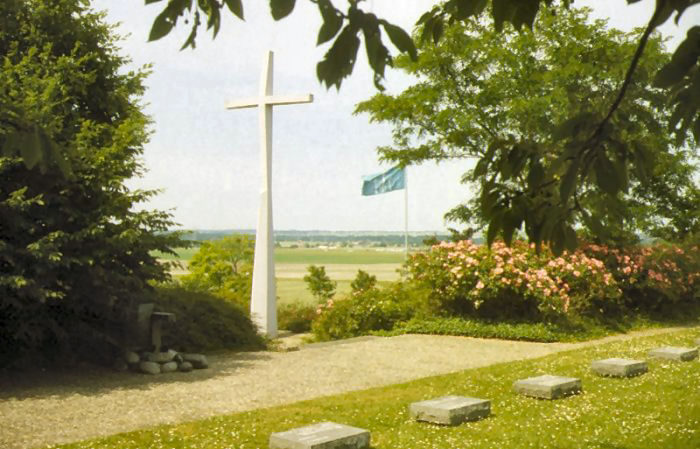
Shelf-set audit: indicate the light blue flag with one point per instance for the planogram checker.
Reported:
(392, 179)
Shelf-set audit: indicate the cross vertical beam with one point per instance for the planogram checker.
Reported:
(263, 301)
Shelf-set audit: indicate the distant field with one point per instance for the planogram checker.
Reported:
(294, 290)
(383, 271)
(315, 256)
(341, 266)
(318, 256)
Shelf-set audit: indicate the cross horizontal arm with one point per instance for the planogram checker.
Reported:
(269, 99)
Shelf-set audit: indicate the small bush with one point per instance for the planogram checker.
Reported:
(224, 268)
(205, 322)
(363, 281)
(371, 310)
(296, 317)
(319, 284)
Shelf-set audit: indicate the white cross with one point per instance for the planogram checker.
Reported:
(263, 307)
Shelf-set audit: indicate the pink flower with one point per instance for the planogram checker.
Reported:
(498, 270)
(479, 285)
(577, 273)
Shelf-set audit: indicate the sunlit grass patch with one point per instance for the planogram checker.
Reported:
(660, 409)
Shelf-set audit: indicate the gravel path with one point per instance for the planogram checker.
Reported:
(64, 407)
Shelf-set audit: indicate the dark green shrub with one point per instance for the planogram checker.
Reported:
(75, 250)
(371, 310)
(296, 316)
(205, 322)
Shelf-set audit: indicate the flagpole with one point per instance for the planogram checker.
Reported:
(405, 209)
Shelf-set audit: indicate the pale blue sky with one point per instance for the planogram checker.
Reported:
(205, 158)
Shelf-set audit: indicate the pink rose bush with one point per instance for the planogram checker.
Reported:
(652, 277)
(452, 281)
(516, 282)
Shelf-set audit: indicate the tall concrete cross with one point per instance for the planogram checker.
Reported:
(263, 307)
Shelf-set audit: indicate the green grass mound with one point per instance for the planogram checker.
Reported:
(610, 413)
(205, 322)
(542, 332)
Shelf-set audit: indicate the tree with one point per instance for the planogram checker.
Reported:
(346, 29)
(223, 267)
(588, 134)
(319, 284)
(74, 254)
(511, 100)
(681, 76)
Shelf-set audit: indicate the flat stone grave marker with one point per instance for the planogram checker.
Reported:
(548, 386)
(674, 353)
(450, 410)
(324, 435)
(619, 367)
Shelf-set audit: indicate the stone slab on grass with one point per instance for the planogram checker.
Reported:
(674, 353)
(619, 367)
(451, 410)
(324, 435)
(548, 386)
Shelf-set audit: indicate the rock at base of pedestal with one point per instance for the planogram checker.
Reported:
(149, 367)
(198, 361)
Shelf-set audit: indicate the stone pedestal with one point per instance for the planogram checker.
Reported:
(138, 326)
(619, 367)
(674, 353)
(325, 435)
(157, 320)
(548, 386)
(450, 410)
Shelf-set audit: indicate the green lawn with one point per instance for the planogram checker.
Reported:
(660, 409)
